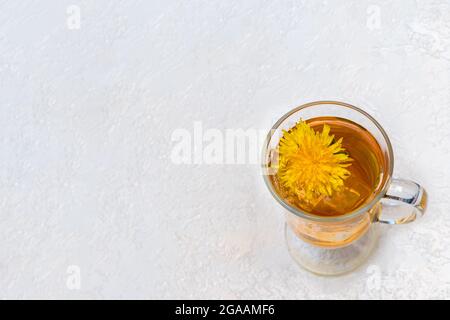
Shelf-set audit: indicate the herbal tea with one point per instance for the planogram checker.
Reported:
(328, 166)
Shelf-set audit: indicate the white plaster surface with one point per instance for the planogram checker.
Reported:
(86, 118)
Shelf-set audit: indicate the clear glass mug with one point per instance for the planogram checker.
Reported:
(338, 244)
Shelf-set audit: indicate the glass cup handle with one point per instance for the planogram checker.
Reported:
(404, 201)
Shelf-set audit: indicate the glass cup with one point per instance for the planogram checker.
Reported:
(332, 245)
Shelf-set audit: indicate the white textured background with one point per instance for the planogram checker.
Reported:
(86, 118)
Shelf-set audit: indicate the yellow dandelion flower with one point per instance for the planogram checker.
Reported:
(311, 164)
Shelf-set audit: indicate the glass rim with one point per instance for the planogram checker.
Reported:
(346, 216)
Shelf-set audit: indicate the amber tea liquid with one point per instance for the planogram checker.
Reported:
(366, 171)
